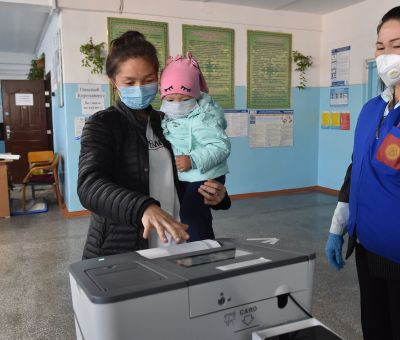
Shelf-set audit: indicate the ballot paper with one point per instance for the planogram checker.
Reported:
(182, 248)
(9, 156)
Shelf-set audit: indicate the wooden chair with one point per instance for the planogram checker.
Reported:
(43, 170)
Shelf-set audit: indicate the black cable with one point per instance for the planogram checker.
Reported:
(300, 306)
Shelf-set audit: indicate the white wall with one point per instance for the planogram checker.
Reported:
(49, 46)
(84, 19)
(32, 2)
(354, 26)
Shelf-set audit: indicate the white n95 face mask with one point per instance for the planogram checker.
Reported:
(388, 66)
(181, 109)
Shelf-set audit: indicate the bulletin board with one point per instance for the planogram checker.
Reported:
(269, 60)
(156, 32)
(213, 48)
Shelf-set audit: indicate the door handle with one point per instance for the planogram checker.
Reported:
(8, 132)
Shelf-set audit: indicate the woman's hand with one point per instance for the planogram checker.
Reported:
(155, 217)
(183, 163)
(212, 191)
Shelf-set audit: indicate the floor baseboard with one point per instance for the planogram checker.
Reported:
(286, 192)
(82, 213)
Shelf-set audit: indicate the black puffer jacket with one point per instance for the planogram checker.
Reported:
(113, 179)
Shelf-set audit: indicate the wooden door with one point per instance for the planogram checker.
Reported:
(25, 122)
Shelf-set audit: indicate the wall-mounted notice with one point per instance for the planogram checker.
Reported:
(24, 99)
(325, 120)
(154, 31)
(269, 60)
(340, 66)
(91, 97)
(339, 96)
(237, 123)
(270, 128)
(58, 61)
(213, 47)
(79, 123)
(335, 120)
(345, 121)
(91, 106)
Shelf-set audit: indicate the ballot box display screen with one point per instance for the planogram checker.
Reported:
(309, 333)
(217, 256)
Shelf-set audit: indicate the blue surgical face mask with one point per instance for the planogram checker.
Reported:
(138, 97)
(181, 109)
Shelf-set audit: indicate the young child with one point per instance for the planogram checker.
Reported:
(194, 125)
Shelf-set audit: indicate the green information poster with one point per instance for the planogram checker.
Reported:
(154, 31)
(269, 59)
(213, 48)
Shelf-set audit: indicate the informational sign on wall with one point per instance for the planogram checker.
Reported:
(339, 96)
(156, 32)
(58, 71)
(79, 123)
(237, 123)
(345, 121)
(340, 66)
(91, 106)
(213, 48)
(91, 97)
(325, 120)
(269, 60)
(269, 128)
(335, 120)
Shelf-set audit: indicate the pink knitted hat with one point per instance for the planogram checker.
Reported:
(182, 75)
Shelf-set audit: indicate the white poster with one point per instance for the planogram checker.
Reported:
(340, 66)
(237, 123)
(92, 105)
(79, 124)
(24, 99)
(269, 128)
(89, 91)
(339, 96)
(91, 97)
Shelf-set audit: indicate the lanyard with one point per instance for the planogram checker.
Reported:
(379, 127)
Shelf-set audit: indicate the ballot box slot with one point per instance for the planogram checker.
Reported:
(210, 257)
(310, 333)
(308, 329)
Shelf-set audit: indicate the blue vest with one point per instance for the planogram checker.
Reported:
(375, 185)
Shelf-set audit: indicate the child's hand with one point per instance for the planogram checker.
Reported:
(183, 163)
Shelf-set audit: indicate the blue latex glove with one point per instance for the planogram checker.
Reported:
(333, 251)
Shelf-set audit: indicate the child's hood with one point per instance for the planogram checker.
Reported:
(208, 111)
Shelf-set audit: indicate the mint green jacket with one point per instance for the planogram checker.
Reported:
(200, 135)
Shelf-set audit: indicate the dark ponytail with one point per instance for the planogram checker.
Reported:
(393, 14)
(131, 44)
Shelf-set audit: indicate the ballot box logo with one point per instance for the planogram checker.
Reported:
(229, 318)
